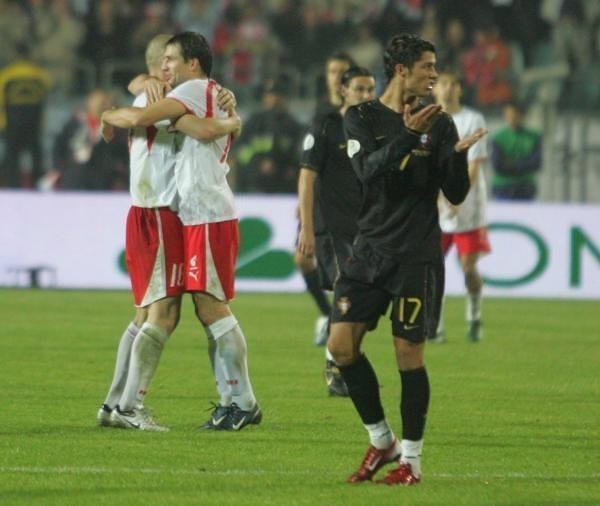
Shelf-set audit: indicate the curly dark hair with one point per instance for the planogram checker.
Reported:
(405, 49)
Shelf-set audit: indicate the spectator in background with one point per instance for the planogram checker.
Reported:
(246, 54)
(453, 45)
(82, 161)
(430, 27)
(23, 89)
(200, 16)
(486, 67)
(516, 157)
(14, 27)
(107, 35)
(365, 49)
(223, 34)
(268, 150)
(306, 37)
(59, 35)
(155, 20)
(400, 15)
(571, 34)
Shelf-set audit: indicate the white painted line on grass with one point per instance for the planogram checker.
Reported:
(262, 472)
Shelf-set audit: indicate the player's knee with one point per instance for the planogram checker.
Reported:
(169, 323)
(342, 352)
(473, 280)
(210, 309)
(409, 355)
(141, 315)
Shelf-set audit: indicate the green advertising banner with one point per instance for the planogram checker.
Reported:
(538, 250)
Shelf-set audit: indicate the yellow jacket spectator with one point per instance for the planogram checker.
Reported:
(23, 89)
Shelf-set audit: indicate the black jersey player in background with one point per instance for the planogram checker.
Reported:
(335, 65)
(328, 183)
(403, 154)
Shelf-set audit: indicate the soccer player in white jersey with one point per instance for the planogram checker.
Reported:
(154, 253)
(465, 225)
(207, 212)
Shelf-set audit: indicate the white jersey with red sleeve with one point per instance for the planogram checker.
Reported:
(201, 167)
(152, 164)
(471, 214)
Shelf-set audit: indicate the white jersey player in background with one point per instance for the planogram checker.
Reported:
(154, 253)
(465, 225)
(207, 211)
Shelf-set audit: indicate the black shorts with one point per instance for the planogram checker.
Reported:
(332, 252)
(369, 282)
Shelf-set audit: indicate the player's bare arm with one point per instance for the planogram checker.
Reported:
(458, 181)
(131, 117)
(207, 129)
(474, 168)
(306, 236)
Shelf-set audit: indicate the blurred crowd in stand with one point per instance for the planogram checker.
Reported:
(270, 53)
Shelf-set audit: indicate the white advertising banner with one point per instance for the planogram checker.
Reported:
(76, 240)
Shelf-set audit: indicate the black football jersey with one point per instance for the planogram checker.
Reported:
(337, 189)
(401, 172)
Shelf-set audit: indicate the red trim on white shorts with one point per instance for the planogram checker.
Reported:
(210, 258)
(154, 254)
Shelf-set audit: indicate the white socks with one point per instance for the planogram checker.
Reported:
(223, 388)
(411, 454)
(121, 366)
(145, 355)
(328, 355)
(473, 309)
(232, 352)
(380, 434)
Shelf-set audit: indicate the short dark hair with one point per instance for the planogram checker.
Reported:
(194, 45)
(517, 105)
(341, 56)
(455, 75)
(405, 49)
(353, 72)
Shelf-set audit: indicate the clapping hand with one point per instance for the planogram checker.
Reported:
(467, 142)
(422, 120)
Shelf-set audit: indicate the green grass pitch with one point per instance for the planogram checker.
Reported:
(514, 419)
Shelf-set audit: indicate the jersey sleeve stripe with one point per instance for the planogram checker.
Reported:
(226, 150)
(209, 99)
(151, 132)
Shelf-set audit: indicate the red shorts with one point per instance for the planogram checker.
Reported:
(210, 256)
(154, 254)
(467, 243)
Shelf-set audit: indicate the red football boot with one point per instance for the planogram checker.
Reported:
(402, 475)
(374, 460)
